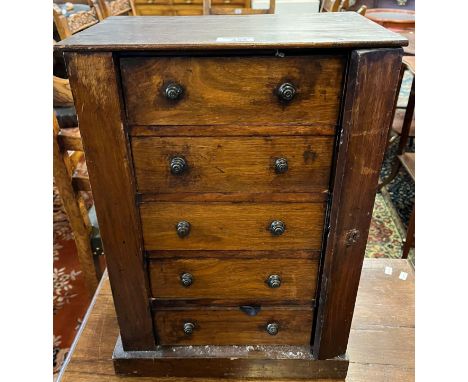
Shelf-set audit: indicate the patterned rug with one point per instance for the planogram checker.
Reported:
(393, 206)
(385, 236)
(70, 299)
(401, 190)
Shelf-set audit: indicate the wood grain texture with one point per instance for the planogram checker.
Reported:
(90, 358)
(234, 279)
(221, 90)
(230, 164)
(366, 121)
(94, 84)
(232, 226)
(293, 128)
(251, 362)
(234, 327)
(76, 212)
(321, 30)
(285, 197)
(272, 254)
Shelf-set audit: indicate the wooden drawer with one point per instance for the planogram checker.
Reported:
(188, 2)
(234, 279)
(152, 2)
(237, 164)
(188, 10)
(152, 10)
(220, 90)
(217, 326)
(227, 3)
(232, 226)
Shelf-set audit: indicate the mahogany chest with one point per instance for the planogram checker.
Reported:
(234, 163)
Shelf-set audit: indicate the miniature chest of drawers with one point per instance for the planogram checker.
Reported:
(234, 162)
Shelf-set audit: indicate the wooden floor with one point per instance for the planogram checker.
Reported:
(381, 346)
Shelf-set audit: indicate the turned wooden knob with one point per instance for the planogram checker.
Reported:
(178, 165)
(277, 227)
(173, 91)
(274, 281)
(186, 279)
(281, 165)
(272, 328)
(183, 228)
(188, 328)
(286, 92)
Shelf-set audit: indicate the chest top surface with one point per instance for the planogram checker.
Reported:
(319, 30)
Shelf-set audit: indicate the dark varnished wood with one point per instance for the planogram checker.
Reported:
(232, 226)
(227, 90)
(329, 30)
(234, 130)
(366, 121)
(229, 164)
(234, 279)
(274, 363)
(272, 254)
(320, 195)
(231, 326)
(94, 84)
(381, 342)
(210, 105)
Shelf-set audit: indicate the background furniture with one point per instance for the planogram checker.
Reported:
(199, 251)
(74, 20)
(405, 159)
(68, 154)
(210, 9)
(381, 343)
(395, 4)
(289, 7)
(394, 19)
(182, 7)
(340, 6)
(117, 7)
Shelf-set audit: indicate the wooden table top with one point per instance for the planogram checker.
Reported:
(381, 346)
(315, 30)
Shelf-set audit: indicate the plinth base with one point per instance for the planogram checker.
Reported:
(257, 361)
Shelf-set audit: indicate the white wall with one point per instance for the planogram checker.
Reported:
(290, 6)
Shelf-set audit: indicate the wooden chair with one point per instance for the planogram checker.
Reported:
(209, 10)
(68, 155)
(330, 5)
(72, 23)
(117, 7)
(404, 159)
(340, 6)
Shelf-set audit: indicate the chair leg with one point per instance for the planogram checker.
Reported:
(395, 169)
(409, 241)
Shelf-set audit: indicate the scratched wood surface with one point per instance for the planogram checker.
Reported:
(230, 164)
(337, 29)
(233, 327)
(235, 90)
(232, 226)
(381, 346)
(234, 279)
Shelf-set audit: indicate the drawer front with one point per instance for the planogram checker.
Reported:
(181, 2)
(152, 2)
(234, 327)
(220, 90)
(237, 164)
(246, 279)
(188, 10)
(152, 10)
(227, 3)
(232, 226)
